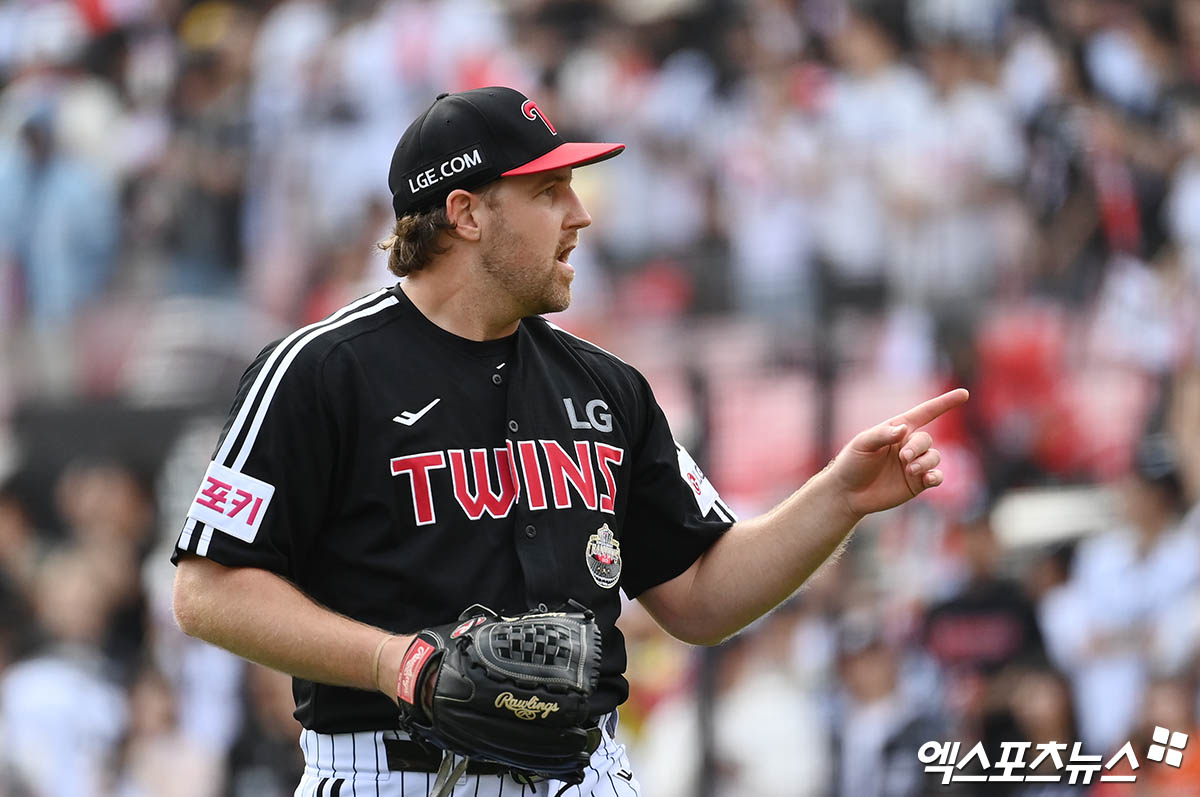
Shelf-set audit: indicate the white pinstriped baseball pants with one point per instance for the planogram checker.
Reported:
(355, 765)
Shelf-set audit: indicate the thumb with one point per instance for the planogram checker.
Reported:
(881, 436)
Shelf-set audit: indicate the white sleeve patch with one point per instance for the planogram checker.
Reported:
(702, 489)
(231, 502)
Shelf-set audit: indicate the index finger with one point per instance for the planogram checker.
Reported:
(927, 411)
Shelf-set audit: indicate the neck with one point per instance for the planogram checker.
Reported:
(447, 295)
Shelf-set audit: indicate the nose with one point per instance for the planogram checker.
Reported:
(577, 217)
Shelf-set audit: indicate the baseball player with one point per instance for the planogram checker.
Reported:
(438, 446)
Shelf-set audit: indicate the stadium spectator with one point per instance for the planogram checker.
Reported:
(63, 711)
(1169, 704)
(1106, 626)
(156, 759)
(265, 754)
(978, 633)
(881, 722)
(768, 741)
(989, 622)
(1038, 709)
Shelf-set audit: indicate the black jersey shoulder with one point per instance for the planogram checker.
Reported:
(369, 314)
(601, 360)
(293, 365)
(307, 350)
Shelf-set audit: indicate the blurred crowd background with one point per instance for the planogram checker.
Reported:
(828, 209)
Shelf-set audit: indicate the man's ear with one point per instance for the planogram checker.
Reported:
(462, 208)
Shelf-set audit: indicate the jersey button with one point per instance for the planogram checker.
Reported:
(513, 426)
(530, 532)
(497, 379)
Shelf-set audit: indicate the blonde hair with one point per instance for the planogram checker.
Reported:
(415, 240)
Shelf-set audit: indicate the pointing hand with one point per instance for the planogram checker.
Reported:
(888, 464)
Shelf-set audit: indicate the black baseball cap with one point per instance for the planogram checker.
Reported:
(470, 138)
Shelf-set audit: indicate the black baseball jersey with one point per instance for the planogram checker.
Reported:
(398, 473)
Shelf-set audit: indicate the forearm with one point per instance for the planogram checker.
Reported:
(261, 617)
(756, 565)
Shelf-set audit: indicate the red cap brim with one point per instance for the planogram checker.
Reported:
(571, 154)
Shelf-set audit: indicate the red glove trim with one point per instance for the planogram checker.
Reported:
(410, 667)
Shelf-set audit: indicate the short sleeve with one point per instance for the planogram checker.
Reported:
(266, 490)
(675, 513)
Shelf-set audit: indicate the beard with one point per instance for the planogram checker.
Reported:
(534, 283)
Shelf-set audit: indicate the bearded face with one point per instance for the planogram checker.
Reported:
(526, 267)
(534, 223)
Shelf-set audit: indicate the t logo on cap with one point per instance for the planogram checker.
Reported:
(471, 138)
(531, 111)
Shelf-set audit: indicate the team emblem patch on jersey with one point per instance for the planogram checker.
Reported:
(604, 557)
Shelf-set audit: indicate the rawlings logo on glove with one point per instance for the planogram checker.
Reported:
(525, 709)
(510, 690)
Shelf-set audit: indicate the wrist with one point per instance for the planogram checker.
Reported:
(837, 497)
(388, 656)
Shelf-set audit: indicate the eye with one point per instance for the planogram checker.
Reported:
(548, 191)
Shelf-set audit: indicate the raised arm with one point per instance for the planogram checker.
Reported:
(260, 616)
(761, 561)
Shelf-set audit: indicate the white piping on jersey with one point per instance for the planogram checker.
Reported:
(185, 538)
(265, 404)
(334, 320)
(268, 367)
(724, 512)
(205, 540)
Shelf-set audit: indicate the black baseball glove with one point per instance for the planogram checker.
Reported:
(510, 690)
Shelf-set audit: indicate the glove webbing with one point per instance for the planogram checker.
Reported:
(534, 644)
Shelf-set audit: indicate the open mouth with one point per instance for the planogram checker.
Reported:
(563, 254)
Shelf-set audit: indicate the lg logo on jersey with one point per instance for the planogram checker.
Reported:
(600, 421)
(520, 469)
